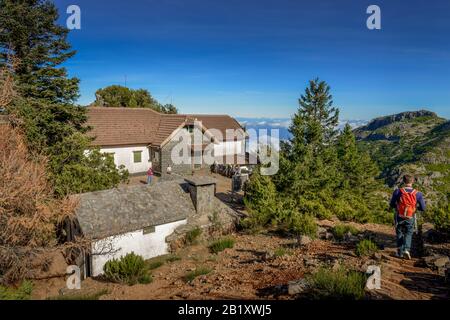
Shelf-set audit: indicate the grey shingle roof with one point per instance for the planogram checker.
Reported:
(125, 209)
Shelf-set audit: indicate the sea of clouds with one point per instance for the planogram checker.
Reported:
(282, 124)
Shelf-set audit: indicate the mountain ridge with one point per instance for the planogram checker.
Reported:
(414, 142)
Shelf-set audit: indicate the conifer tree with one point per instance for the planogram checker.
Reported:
(314, 124)
(29, 30)
(45, 103)
(357, 168)
(308, 163)
(260, 199)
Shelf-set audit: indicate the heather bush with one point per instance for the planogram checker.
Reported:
(341, 284)
(221, 244)
(366, 247)
(23, 292)
(190, 276)
(340, 230)
(129, 269)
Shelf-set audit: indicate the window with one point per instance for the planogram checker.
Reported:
(148, 230)
(190, 128)
(137, 156)
(156, 156)
(149, 155)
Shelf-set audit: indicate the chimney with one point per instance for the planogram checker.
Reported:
(202, 190)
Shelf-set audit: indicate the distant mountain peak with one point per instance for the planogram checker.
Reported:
(407, 115)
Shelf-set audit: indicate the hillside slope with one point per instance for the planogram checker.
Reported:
(414, 142)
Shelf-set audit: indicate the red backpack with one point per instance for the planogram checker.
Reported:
(407, 204)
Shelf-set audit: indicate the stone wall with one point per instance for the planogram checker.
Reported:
(166, 161)
(220, 221)
(203, 197)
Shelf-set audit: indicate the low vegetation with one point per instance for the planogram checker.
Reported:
(129, 269)
(341, 230)
(23, 292)
(281, 251)
(172, 258)
(87, 296)
(155, 263)
(221, 244)
(190, 276)
(366, 247)
(193, 235)
(337, 284)
(441, 219)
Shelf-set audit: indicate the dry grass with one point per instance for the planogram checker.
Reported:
(29, 214)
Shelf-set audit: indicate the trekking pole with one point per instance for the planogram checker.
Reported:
(395, 219)
(416, 228)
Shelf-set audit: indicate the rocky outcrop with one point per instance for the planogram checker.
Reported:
(386, 120)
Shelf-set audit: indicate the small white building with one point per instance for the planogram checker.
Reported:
(139, 138)
(129, 219)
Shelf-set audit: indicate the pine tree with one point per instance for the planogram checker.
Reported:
(29, 30)
(357, 168)
(314, 124)
(44, 105)
(260, 199)
(308, 163)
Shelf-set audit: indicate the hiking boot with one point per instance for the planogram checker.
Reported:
(407, 255)
(398, 254)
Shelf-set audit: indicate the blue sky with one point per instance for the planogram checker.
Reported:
(253, 58)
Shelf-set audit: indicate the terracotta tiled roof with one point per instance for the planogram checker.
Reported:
(219, 122)
(121, 126)
(167, 125)
(131, 126)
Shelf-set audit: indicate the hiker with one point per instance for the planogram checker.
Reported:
(405, 201)
(149, 175)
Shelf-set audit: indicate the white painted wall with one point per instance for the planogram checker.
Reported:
(124, 156)
(229, 147)
(147, 245)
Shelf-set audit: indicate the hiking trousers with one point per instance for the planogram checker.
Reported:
(404, 230)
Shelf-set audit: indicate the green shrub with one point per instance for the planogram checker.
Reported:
(23, 292)
(155, 264)
(315, 207)
(337, 284)
(129, 269)
(260, 200)
(340, 230)
(222, 244)
(197, 272)
(192, 235)
(279, 252)
(366, 247)
(89, 296)
(371, 207)
(441, 219)
(172, 258)
(304, 224)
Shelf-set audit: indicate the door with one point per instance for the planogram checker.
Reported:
(156, 159)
